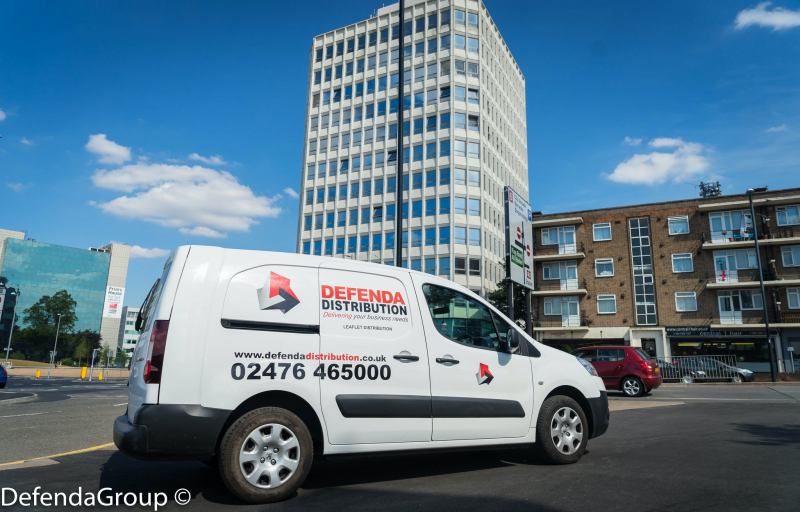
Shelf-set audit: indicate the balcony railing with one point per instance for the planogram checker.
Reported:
(549, 250)
(751, 275)
(764, 233)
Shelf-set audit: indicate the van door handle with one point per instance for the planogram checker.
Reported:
(405, 357)
(444, 360)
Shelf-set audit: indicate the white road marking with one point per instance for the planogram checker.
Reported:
(30, 414)
(117, 405)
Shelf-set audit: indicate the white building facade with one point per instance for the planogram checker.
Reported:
(465, 138)
(128, 335)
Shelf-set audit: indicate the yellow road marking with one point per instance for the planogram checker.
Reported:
(60, 454)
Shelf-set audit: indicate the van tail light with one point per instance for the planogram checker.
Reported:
(154, 364)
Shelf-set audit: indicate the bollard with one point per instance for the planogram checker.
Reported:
(83, 373)
(100, 377)
(38, 373)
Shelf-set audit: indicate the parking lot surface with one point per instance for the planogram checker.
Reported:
(711, 448)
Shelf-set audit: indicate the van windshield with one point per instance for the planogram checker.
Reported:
(148, 309)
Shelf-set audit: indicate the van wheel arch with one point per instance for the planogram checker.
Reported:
(578, 397)
(283, 400)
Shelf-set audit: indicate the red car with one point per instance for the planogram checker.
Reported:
(626, 369)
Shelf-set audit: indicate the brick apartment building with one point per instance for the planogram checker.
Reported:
(675, 278)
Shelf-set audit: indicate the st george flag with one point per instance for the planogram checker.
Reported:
(484, 376)
(277, 294)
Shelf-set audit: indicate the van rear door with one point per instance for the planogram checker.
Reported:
(157, 307)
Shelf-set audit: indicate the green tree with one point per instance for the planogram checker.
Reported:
(498, 299)
(81, 351)
(42, 320)
(122, 358)
(105, 354)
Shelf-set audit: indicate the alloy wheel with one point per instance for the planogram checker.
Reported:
(566, 430)
(631, 387)
(269, 456)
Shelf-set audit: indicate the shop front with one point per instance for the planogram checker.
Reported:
(750, 348)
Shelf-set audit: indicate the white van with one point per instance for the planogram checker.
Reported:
(258, 361)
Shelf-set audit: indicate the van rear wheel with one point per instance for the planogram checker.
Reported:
(561, 431)
(266, 455)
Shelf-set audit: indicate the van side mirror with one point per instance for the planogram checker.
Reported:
(512, 340)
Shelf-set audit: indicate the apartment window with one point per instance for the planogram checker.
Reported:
(321, 195)
(326, 98)
(444, 205)
(474, 97)
(385, 35)
(348, 68)
(460, 120)
(432, 46)
(329, 220)
(461, 68)
(306, 247)
(460, 17)
(445, 42)
(317, 77)
(602, 231)
(365, 215)
(351, 45)
(405, 238)
(445, 94)
(312, 147)
(407, 56)
(416, 209)
(445, 20)
(370, 63)
(445, 68)
(461, 148)
(342, 191)
(338, 72)
(432, 21)
(382, 83)
(419, 49)
(353, 189)
(382, 108)
(460, 42)
(419, 101)
(430, 125)
(472, 20)
(389, 240)
(685, 301)
(416, 238)
(318, 221)
(416, 181)
(377, 214)
(419, 25)
(322, 167)
(461, 266)
(682, 262)
(788, 215)
(311, 171)
(430, 151)
(444, 235)
(341, 218)
(474, 150)
(461, 93)
(370, 111)
(337, 97)
(475, 207)
(472, 44)
(461, 205)
(460, 177)
(794, 297)
(367, 188)
(364, 243)
(444, 177)
(430, 236)
(472, 70)
(377, 242)
(367, 161)
(319, 56)
(379, 187)
(334, 122)
(391, 185)
(333, 168)
(444, 266)
(430, 266)
(323, 146)
(606, 304)
(352, 244)
(474, 236)
(339, 49)
(644, 288)
(604, 267)
(318, 248)
(444, 121)
(474, 123)
(418, 152)
(362, 42)
(307, 223)
(430, 178)
(474, 178)
(390, 210)
(474, 267)
(370, 86)
(373, 39)
(395, 32)
(392, 158)
(357, 116)
(353, 217)
(315, 101)
(444, 148)
(791, 257)
(329, 52)
(678, 225)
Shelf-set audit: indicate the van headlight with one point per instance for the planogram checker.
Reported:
(586, 364)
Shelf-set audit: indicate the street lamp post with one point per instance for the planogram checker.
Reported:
(53, 356)
(771, 349)
(398, 209)
(13, 317)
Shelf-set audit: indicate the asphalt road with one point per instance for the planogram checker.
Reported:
(718, 448)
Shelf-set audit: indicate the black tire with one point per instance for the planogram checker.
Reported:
(3, 385)
(633, 387)
(737, 379)
(234, 441)
(546, 447)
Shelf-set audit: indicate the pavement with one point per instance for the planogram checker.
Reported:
(703, 448)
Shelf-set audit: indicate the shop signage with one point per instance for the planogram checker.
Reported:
(519, 239)
(706, 331)
(112, 308)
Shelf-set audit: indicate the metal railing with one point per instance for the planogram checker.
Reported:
(699, 368)
(764, 232)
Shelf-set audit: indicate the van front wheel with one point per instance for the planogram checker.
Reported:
(266, 455)
(561, 431)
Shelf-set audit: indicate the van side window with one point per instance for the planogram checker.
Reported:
(460, 318)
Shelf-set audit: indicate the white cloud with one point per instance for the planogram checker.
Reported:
(684, 163)
(141, 252)
(632, 142)
(778, 18)
(212, 160)
(142, 158)
(200, 201)
(291, 193)
(203, 231)
(2, 115)
(108, 151)
(174, 161)
(777, 128)
(27, 142)
(18, 187)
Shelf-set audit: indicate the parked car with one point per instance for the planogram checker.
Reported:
(3, 377)
(626, 369)
(257, 362)
(691, 369)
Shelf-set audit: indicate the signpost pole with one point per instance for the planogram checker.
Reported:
(398, 209)
(528, 318)
(509, 283)
(772, 369)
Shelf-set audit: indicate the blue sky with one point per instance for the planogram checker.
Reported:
(170, 123)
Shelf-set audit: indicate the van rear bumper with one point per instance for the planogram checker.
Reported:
(170, 432)
(600, 414)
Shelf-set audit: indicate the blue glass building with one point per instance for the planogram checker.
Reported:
(39, 269)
